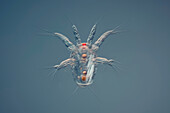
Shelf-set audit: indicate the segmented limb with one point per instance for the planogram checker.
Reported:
(101, 39)
(64, 63)
(103, 60)
(66, 41)
(109, 62)
(91, 35)
(77, 36)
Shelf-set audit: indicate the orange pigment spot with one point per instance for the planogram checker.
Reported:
(84, 72)
(84, 55)
(83, 78)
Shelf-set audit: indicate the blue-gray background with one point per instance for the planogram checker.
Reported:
(141, 85)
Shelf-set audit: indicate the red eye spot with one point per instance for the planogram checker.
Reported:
(83, 44)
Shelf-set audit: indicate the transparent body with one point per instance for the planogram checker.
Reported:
(83, 59)
(84, 65)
